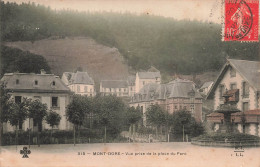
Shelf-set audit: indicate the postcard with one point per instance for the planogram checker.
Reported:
(130, 83)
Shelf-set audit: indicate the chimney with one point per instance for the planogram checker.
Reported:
(43, 71)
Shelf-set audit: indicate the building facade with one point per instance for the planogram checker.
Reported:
(131, 85)
(114, 87)
(47, 88)
(242, 79)
(174, 96)
(79, 83)
(143, 78)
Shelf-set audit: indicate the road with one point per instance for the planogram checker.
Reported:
(130, 154)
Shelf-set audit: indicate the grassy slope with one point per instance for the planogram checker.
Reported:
(67, 54)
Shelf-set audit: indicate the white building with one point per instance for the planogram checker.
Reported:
(114, 87)
(242, 79)
(79, 83)
(143, 78)
(47, 88)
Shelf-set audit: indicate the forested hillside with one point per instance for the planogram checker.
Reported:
(15, 60)
(185, 47)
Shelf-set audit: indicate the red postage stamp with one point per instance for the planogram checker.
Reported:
(241, 20)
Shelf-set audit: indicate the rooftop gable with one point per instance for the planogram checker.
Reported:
(249, 70)
(78, 78)
(35, 82)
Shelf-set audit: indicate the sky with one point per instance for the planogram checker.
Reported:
(202, 10)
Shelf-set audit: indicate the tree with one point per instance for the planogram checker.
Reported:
(18, 112)
(110, 110)
(133, 116)
(4, 97)
(53, 119)
(183, 123)
(4, 111)
(156, 116)
(76, 111)
(37, 111)
(14, 60)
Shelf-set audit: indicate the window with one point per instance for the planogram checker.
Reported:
(192, 100)
(175, 107)
(90, 90)
(143, 82)
(78, 88)
(35, 82)
(18, 99)
(110, 89)
(245, 106)
(168, 108)
(245, 89)
(85, 89)
(232, 72)
(192, 108)
(124, 90)
(233, 86)
(221, 91)
(119, 89)
(54, 101)
(131, 88)
(53, 83)
(142, 109)
(184, 107)
(17, 81)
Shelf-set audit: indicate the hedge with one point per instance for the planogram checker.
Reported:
(59, 137)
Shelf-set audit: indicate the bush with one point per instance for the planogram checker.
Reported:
(231, 137)
(59, 137)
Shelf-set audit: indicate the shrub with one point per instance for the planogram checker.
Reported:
(233, 137)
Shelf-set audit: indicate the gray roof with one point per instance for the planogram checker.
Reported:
(176, 89)
(206, 84)
(182, 88)
(249, 70)
(149, 75)
(114, 84)
(79, 78)
(27, 82)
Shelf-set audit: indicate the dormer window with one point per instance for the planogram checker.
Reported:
(17, 81)
(35, 82)
(53, 83)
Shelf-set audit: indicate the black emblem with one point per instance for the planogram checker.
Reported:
(25, 152)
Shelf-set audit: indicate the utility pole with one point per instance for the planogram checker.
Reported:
(183, 133)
